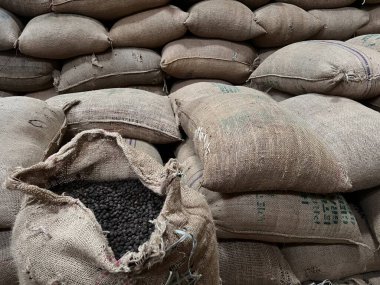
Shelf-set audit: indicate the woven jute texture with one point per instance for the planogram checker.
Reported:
(57, 239)
(371, 41)
(319, 4)
(369, 201)
(28, 8)
(10, 29)
(373, 26)
(8, 272)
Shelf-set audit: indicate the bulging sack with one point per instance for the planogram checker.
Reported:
(231, 127)
(31, 130)
(8, 272)
(350, 129)
(10, 29)
(133, 113)
(183, 83)
(373, 26)
(57, 36)
(150, 29)
(27, 8)
(319, 4)
(334, 68)
(50, 226)
(203, 58)
(371, 41)
(120, 67)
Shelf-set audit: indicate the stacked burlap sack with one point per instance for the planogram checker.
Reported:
(274, 174)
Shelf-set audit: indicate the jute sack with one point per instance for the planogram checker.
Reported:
(10, 29)
(319, 4)
(291, 24)
(333, 261)
(133, 113)
(28, 8)
(58, 36)
(375, 104)
(105, 10)
(369, 201)
(20, 73)
(43, 95)
(278, 95)
(8, 272)
(264, 53)
(243, 263)
(31, 129)
(223, 19)
(119, 67)
(371, 41)
(150, 29)
(373, 26)
(339, 24)
(334, 68)
(350, 129)
(156, 89)
(241, 134)
(56, 238)
(183, 83)
(203, 58)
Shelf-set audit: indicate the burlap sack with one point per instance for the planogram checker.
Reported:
(339, 24)
(28, 8)
(334, 262)
(291, 24)
(133, 113)
(223, 19)
(278, 95)
(150, 29)
(203, 58)
(351, 130)
(241, 134)
(30, 130)
(369, 201)
(10, 29)
(120, 67)
(371, 41)
(58, 36)
(43, 95)
(183, 83)
(20, 73)
(105, 10)
(156, 89)
(56, 238)
(373, 26)
(334, 68)
(319, 4)
(8, 272)
(243, 263)
(375, 104)
(265, 52)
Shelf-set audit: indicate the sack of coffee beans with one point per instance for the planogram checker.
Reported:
(204, 58)
(231, 127)
(278, 95)
(183, 83)
(57, 36)
(8, 272)
(350, 129)
(291, 24)
(371, 41)
(333, 261)
(150, 29)
(243, 263)
(31, 129)
(20, 73)
(104, 10)
(319, 4)
(179, 245)
(334, 68)
(339, 24)
(265, 52)
(133, 113)
(10, 29)
(373, 26)
(43, 95)
(223, 19)
(119, 67)
(369, 201)
(27, 8)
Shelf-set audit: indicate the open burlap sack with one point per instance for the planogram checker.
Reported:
(150, 29)
(223, 19)
(190, 58)
(371, 41)
(31, 130)
(350, 129)
(243, 263)
(8, 272)
(291, 24)
(334, 68)
(10, 29)
(119, 67)
(334, 262)
(131, 112)
(247, 142)
(61, 36)
(373, 26)
(105, 10)
(28, 8)
(339, 24)
(318, 4)
(20, 73)
(57, 239)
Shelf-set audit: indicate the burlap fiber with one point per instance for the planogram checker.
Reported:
(8, 272)
(10, 29)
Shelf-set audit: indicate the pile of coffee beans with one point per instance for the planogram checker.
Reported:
(123, 208)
